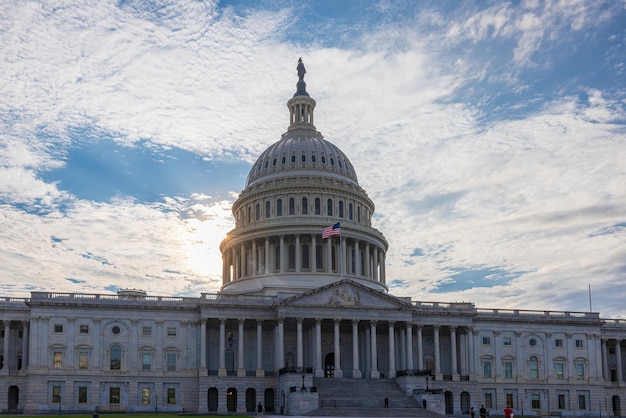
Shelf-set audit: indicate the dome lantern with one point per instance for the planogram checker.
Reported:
(301, 105)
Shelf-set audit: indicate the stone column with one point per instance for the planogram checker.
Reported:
(420, 348)
(299, 355)
(313, 257)
(203, 322)
(367, 272)
(7, 337)
(158, 361)
(383, 270)
(266, 248)
(343, 253)
(356, 372)
(409, 346)
(133, 354)
(438, 375)
(96, 344)
(392, 351)
(282, 255)
(233, 257)
(401, 344)
(319, 371)
(241, 368)
(375, 266)
(605, 365)
(374, 373)
(329, 255)
(222, 362)
(338, 372)
(470, 351)
(281, 344)
(25, 344)
(455, 372)
(242, 260)
(254, 267)
(298, 254)
(259, 348)
(618, 356)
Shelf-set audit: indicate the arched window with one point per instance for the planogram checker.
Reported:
(350, 211)
(329, 207)
(318, 206)
(358, 214)
(115, 358)
(279, 207)
(305, 256)
(341, 208)
(292, 206)
(257, 214)
(305, 206)
(267, 209)
(533, 367)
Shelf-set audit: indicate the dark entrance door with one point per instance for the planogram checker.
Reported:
(14, 398)
(329, 365)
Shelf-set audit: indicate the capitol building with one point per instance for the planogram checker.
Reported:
(303, 321)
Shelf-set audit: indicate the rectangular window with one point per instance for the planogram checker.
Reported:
(171, 396)
(580, 371)
(146, 331)
(146, 361)
(488, 401)
(535, 401)
(487, 369)
(84, 329)
(580, 344)
(611, 350)
(506, 341)
(114, 396)
(56, 394)
(82, 394)
(561, 401)
(508, 370)
(486, 340)
(558, 343)
(582, 402)
(57, 360)
(83, 360)
(58, 328)
(171, 362)
(560, 370)
(509, 400)
(145, 396)
(171, 332)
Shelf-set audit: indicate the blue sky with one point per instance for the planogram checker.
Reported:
(490, 135)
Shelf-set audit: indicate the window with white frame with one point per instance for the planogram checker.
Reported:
(83, 360)
(171, 362)
(580, 344)
(558, 343)
(146, 361)
(486, 368)
(535, 401)
(145, 396)
(486, 340)
(171, 331)
(508, 369)
(57, 360)
(82, 394)
(146, 331)
(580, 370)
(56, 394)
(506, 341)
(533, 367)
(559, 368)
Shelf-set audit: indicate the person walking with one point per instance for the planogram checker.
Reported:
(386, 402)
(259, 410)
(472, 412)
(508, 412)
(482, 411)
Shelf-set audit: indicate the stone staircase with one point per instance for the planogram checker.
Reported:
(365, 398)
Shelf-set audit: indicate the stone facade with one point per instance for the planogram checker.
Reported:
(301, 303)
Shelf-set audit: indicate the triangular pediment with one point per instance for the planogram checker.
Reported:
(346, 294)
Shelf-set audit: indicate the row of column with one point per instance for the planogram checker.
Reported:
(7, 344)
(370, 348)
(618, 360)
(249, 259)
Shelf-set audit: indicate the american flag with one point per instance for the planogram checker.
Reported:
(329, 231)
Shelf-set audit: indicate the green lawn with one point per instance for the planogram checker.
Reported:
(143, 415)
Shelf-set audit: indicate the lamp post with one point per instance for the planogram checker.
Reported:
(303, 389)
(426, 385)
(59, 405)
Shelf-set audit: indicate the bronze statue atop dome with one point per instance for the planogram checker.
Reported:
(301, 69)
